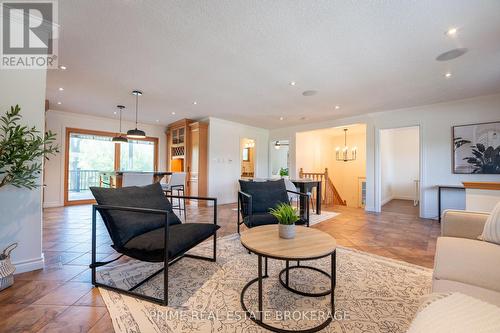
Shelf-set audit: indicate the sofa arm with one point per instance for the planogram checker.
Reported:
(467, 261)
(462, 224)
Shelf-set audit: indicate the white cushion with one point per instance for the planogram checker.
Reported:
(491, 231)
(457, 313)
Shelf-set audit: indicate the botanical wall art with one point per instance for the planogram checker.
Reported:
(477, 148)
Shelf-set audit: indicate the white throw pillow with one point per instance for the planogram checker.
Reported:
(457, 313)
(491, 231)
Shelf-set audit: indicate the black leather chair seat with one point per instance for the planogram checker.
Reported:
(182, 237)
(259, 219)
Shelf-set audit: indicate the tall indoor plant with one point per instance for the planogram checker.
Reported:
(21, 150)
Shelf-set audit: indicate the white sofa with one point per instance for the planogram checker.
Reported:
(463, 263)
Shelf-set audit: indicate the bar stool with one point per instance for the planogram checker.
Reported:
(176, 183)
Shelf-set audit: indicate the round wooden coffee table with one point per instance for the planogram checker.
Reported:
(308, 244)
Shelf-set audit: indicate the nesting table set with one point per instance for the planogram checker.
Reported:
(308, 244)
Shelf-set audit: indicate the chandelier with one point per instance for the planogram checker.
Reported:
(343, 154)
(250, 144)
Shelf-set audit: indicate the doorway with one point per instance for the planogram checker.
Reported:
(400, 170)
(247, 158)
(280, 158)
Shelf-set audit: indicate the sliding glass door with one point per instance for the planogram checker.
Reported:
(90, 153)
(137, 155)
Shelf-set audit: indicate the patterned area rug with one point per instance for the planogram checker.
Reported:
(315, 219)
(373, 294)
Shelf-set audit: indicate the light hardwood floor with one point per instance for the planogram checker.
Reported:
(60, 298)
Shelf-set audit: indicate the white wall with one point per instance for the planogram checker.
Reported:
(21, 209)
(399, 163)
(314, 151)
(435, 123)
(481, 200)
(58, 121)
(224, 161)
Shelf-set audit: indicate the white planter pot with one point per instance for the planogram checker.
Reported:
(287, 231)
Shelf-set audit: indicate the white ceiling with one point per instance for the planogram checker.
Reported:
(236, 58)
(353, 129)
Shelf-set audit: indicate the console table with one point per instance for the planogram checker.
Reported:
(448, 187)
(305, 185)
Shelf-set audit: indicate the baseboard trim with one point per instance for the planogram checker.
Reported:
(370, 209)
(396, 198)
(52, 204)
(403, 198)
(29, 265)
(386, 201)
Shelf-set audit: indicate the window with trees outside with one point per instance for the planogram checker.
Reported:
(89, 153)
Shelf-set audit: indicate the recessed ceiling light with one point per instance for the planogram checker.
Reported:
(195, 102)
(451, 32)
(447, 75)
(63, 67)
(61, 89)
(281, 118)
(173, 112)
(292, 83)
(59, 103)
(114, 112)
(337, 107)
(157, 120)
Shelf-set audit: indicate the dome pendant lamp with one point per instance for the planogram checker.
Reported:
(136, 133)
(120, 137)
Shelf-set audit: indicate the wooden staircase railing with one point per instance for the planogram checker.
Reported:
(329, 192)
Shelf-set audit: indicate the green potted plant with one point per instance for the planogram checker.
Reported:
(21, 148)
(287, 216)
(284, 172)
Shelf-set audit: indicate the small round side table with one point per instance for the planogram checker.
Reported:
(308, 244)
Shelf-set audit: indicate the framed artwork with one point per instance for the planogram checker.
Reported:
(476, 148)
(246, 154)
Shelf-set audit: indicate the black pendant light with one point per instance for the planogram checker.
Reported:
(136, 133)
(120, 137)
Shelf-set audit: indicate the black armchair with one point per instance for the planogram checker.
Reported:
(143, 226)
(256, 198)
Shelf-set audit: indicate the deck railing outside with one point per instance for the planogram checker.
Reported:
(81, 180)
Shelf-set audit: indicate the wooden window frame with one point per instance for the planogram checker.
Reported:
(70, 130)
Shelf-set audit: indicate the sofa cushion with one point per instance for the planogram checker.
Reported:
(491, 231)
(447, 286)
(468, 261)
(182, 237)
(265, 195)
(123, 225)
